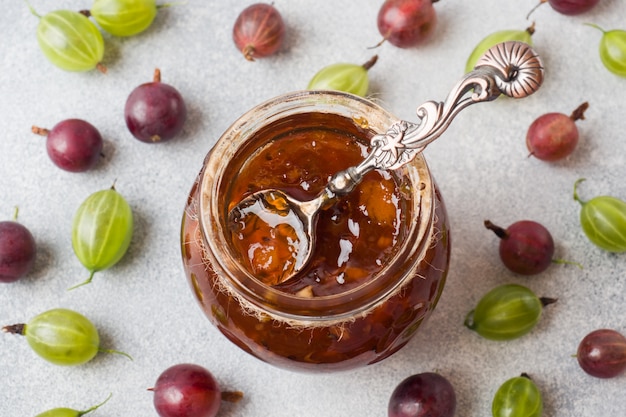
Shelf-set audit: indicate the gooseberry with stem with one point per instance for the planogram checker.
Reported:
(61, 336)
(73, 145)
(102, 230)
(346, 77)
(427, 394)
(189, 390)
(124, 17)
(612, 50)
(18, 250)
(259, 31)
(70, 40)
(526, 247)
(554, 136)
(406, 23)
(155, 111)
(517, 397)
(70, 412)
(602, 353)
(603, 220)
(506, 312)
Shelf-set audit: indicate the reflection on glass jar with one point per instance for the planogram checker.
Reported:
(381, 255)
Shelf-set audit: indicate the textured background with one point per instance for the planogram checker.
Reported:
(143, 305)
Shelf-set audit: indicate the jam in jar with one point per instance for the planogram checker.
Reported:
(381, 253)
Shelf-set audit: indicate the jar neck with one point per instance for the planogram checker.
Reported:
(362, 118)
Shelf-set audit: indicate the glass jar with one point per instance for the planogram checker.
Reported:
(345, 316)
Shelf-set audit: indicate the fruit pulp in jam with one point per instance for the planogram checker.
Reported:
(355, 236)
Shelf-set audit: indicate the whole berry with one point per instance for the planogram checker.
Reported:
(554, 136)
(526, 247)
(155, 111)
(73, 145)
(17, 251)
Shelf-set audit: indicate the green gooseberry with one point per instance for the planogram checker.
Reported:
(603, 219)
(517, 397)
(506, 312)
(69, 412)
(61, 336)
(70, 40)
(612, 50)
(125, 17)
(496, 38)
(346, 77)
(102, 231)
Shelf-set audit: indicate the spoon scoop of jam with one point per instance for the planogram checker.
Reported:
(284, 227)
(281, 238)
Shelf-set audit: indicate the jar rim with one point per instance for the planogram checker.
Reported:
(240, 282)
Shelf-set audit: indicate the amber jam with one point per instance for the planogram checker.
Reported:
(355, 237)
(381, 253)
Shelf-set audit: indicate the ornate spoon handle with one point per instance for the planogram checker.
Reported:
(509, 68)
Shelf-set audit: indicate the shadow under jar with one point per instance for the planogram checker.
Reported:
(381, 254)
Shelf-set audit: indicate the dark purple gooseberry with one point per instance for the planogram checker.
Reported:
(189, 390)
(569, 7)
(155, 111)
(526, 247)
(423, 395)
(73, 145)
(17, 251)
(602, 353)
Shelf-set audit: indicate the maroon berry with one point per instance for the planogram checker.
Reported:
(602, 353)
(188, 390)
(155, 111)
(554, 136)
(73, 145)
(423, 395)
(259, 31)
(526, 247)
(406, 23)
(17, 251)
(569, 7)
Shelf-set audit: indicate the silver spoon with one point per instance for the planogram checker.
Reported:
(509, 68)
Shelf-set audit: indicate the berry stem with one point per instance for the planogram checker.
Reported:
(593, 25)
(15, 213)
(370, 63)
(579, 113)
(157, 76)
(248, 52)
(535, 8)
(117, 352)
(469, 321)
(566, 262)
(32, 9)
(546, 301)
(87, 281)
(170, 4)
(19, 328)
(576, 198)
(89, 410)
(40, 131)
(100, 67)
(232, 396)
(499, 231)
